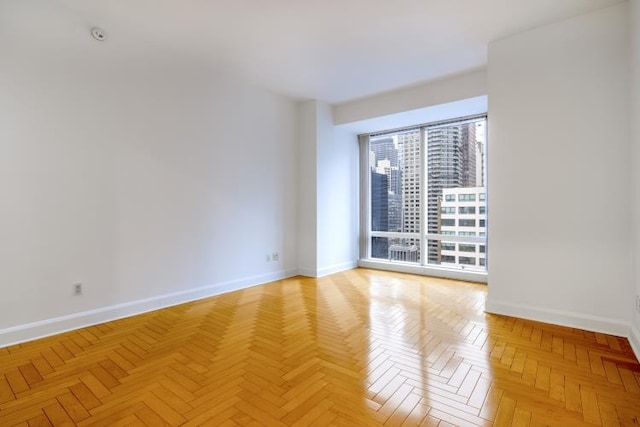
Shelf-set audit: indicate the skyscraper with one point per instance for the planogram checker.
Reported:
(410, 161)
(385, 161)
(379, 213)
(469, 150)
(451, 163)
(384, 149)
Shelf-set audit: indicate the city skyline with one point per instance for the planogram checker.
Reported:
(454, 159)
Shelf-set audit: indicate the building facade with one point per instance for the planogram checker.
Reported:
(379, 213)
(452, 153)
(464, 215)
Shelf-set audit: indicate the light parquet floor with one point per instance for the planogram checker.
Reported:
(358, 348)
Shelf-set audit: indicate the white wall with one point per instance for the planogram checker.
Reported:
(328, 192)
(458, 87)
(307, 188)
(635, 159)
(148, 178)
(338, 195)
(559, 177)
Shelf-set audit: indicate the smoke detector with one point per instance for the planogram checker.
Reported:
(98, 34)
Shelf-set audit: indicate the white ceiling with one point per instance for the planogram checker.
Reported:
(332, 50)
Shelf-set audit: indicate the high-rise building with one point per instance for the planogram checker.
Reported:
(451, 163)
(384, 159)
(410, 161)
(384, 149)
(379, 213)
(481, 138)
(464, 215)
(480, 164)
(469, 154)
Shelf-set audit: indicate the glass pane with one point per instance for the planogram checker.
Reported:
(395, 249)
(380, 247)
(463, 254)
(395, 182)
(395, 163)
(456, 196)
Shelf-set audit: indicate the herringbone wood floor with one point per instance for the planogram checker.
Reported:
(357, 348)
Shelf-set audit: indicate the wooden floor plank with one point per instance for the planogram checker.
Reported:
(357, 348)
(73, 407)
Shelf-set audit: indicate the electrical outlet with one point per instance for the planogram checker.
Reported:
(77, 289)
(275, 256)
(638, 303)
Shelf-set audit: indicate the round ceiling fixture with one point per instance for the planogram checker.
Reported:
(98, 34)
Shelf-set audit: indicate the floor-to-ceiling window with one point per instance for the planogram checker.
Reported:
(425, 199)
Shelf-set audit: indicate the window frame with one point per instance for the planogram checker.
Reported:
(424, 266)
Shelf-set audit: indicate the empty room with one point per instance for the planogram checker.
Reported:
(355, 213)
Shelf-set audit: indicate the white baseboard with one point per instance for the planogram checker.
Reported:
(336, 268)
(308, 272)
(43, 328)
(560, 317)
(325, 271)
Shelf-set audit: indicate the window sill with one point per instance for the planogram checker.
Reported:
(443, 272)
